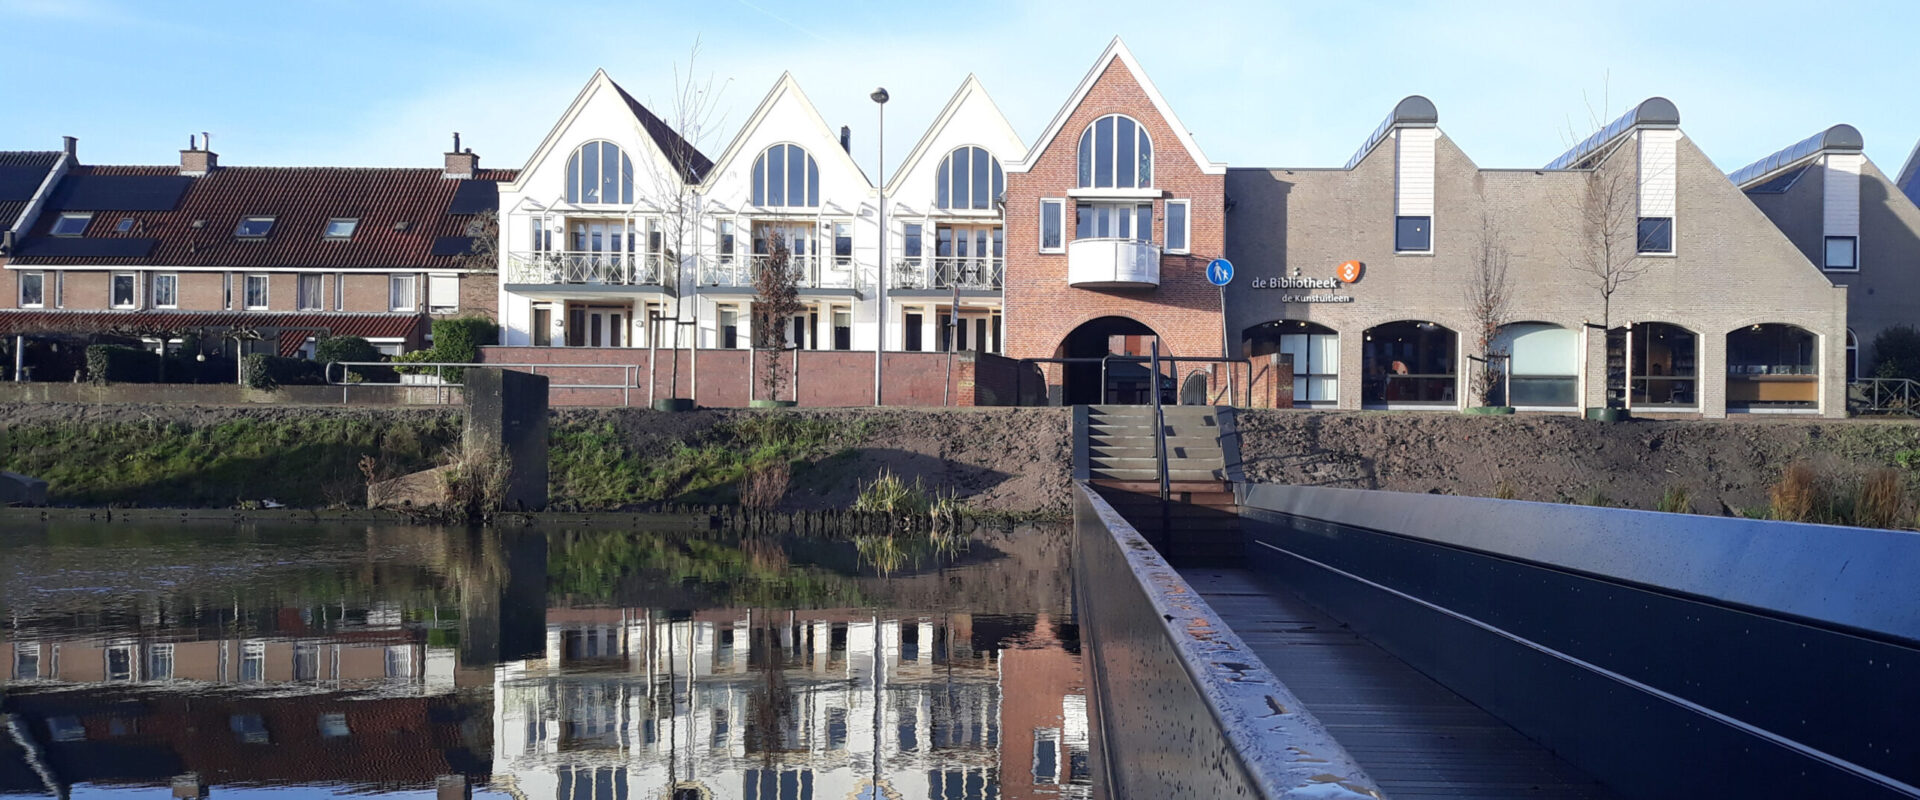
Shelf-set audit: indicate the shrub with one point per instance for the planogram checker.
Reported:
(1882, 501)
(1675, 500)
(1907, 459)
(112, 363)
(456, 340)
(765, 484)
(335, 349)
(1896, 353)
(1800, 495)
(265, 371)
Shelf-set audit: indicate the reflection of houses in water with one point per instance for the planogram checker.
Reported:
(758, 705)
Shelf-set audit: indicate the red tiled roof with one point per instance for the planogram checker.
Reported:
(137, 323)
(401, 213)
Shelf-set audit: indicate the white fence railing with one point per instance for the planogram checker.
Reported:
(429, 378)
(809, 272)
(587, 267)
(948, 272)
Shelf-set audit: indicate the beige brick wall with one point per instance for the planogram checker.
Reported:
(202, 291)
(1732, 268)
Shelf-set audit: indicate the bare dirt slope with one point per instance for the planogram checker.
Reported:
(1725, 465)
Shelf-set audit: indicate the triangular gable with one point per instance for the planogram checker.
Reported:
(1117, 50)
(969, 90)
(1909, 180)
(786, 89)
(651, 128)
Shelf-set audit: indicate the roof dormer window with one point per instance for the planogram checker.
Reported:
(71, 224)
(341, 228)
(253, 227)
(125, 224)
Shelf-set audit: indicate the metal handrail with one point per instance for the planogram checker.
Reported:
(1160, 457)
(809, 271)
(630, 375)
(1885, 395)
(606, 267)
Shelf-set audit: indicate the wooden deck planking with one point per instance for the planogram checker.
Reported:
(1415, 737)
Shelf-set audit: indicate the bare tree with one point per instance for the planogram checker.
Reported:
(483, 254)
(1604, 215)
(1488, 296)
(779, 292)
(673, 248)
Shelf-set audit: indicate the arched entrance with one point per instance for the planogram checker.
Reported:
(1316, 357)
(1127, 381)
(1542, 366)
(1409, 363)
(1773, 367)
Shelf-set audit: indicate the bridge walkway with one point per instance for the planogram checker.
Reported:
(1416, 738)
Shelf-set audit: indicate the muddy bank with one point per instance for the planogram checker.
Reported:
(1725, 465)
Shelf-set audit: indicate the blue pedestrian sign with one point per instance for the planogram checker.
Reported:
(1220, 272)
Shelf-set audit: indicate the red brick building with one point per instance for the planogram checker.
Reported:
(1111, 221)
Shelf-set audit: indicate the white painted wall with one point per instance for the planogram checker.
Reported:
(1414, 171)
(1659, 165)
(1842, 215)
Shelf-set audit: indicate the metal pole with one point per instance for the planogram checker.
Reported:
(953, 342)
(880, 305)
(19, 355)
(1226, 352)
(653, 351)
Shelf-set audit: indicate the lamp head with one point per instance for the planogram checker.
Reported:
(879, 95)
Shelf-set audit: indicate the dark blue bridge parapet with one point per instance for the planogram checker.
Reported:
(1669, 655)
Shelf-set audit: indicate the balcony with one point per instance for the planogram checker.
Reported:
(602, 268)
(1113, 264)
(810, 272)
(967, 273)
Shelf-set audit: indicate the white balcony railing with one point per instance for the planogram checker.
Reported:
(809, 272)
(947, 272)
(1113, 264)
(586, 267)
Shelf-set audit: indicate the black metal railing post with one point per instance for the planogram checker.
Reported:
(1160, 458)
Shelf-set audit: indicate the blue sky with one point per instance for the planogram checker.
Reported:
(1295, 84)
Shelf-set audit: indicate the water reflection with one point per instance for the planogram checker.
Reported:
(565, 665)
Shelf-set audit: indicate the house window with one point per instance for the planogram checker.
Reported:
(1116, 153)
(253, 227)
(400, 293)
(842, 328)
(913, 242)
(1052, 225)
(1656, 235)
(71, 224)
(1843, 253)
(310, 291)
(542, 238)
(598, 172)
(726, 241)
(1413, 234)
(729, 327)
(166, 291)
(160, 662)
(33, 289)
(443, 293)
(1177, 225)
(123, 290)
(341, 228)
(125, 224)
(1114, 221)
(969, 177)
(910, 331)
(26, 662)
(256, 291)
(339, 292)
(842, 244)
(120, 663)
(786, 175)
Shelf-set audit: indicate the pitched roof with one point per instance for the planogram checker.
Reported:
(191, 221)
(1117, 51)
(1909, 180)
(679, 152)
(21, 173)
(1839, 138)
(1655, 112)
(136, 323)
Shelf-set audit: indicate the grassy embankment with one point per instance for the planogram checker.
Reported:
(318, 461)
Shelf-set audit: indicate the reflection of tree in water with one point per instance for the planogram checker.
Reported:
(703, 570)
(769, 702)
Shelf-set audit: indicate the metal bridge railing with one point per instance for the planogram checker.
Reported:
(439, 388)
(1884, 396)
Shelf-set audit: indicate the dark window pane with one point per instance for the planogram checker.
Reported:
(981, 197)
(573, 178)
(1103, 152)
(590, 175)
(1176, 226)
(1086, 158)
(1413, 234)
(941, 197)
(626, 179)
(1656, 234)
(1841, 252)
(1050, 224)
(1083, 224)
(912, 243)
(1146, 160)
(1123, 139)
(962, 177)
(760, 180)
(813, 182)
(777, 175)
(797, 174)
(609, 177)
(999, 179)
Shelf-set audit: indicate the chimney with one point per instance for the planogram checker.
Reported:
(6, 242)
(846, 138)
(461, 163)
(71, 146)
(199, 158)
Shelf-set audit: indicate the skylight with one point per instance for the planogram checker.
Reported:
(125, 224)
(341, 227)
(71, 224)
(253, 227)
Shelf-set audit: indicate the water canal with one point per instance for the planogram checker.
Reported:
(562, 664)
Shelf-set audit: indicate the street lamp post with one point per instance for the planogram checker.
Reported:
(880, 343)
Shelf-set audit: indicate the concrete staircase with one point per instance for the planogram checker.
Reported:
(1201, 522)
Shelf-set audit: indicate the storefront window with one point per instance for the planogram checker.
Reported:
(1773, 366)
(1409, 363)
(1664, 371)
(1315, 350)
(1542, 366)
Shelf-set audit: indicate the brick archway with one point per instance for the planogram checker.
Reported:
(1101, 336)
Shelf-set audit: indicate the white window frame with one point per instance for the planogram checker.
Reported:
(22, 297)
(436, 279)
(352, 224)
(246, 292)
(318, 302)
(1113, 158)
(133, 291)
(394, 281)
(172, 279)
(1186, 226)
(340, 291)
(1060, 207)
(242, 225)
(85, 219)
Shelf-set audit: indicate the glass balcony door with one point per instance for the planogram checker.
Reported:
(601, 251)
(800, 241)
(1115, 221)
(968, 256)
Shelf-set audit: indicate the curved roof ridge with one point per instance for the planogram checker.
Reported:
(1653, 112)
(1413, 111)
(1842, 138)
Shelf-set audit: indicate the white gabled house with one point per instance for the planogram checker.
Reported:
(947, 221)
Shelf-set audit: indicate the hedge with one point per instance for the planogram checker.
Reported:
(456, 340)
(268, 371)
(113, 363)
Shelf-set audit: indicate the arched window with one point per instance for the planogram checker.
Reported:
(1115, 153)
(786, 175)
(599, 173)
(969, 177)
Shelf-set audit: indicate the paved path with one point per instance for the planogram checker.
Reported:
(1415, 737)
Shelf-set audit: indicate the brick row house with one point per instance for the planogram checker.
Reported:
(254, 259)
